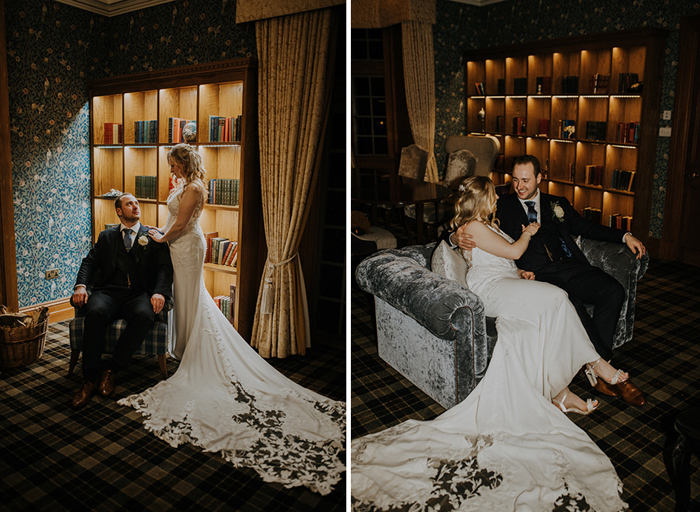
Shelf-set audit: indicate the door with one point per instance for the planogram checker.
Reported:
(682, 210)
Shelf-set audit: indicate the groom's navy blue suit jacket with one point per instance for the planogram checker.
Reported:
(512, 217)
(153, 262)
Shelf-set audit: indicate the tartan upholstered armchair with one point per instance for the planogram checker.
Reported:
(156, 341)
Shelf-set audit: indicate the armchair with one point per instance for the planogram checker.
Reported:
(434, 331)
(156, 342)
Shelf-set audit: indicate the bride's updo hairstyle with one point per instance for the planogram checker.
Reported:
(476, 195)
(191, 162)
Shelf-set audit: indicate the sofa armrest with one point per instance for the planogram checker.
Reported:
(442, 306)
(616, 260)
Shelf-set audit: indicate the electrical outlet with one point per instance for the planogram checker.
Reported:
(51, 274)
(666, 115)
(665, 131)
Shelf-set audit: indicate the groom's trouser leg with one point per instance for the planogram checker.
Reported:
(101, 310)
(590, 285)
(138, 313)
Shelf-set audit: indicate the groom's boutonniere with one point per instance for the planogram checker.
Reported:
(143, 240)
(558, 211)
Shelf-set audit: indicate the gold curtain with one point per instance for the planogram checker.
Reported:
(293, 99)
(419, 77)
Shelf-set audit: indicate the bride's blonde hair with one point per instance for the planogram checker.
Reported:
(476, 196)
(192, 166)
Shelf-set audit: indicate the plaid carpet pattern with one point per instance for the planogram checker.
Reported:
(663, 359)
(102, 459)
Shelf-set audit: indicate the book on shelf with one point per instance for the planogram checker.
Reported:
(520, 86)
(500, 124)
(175, 127)
(215, 244)
(224, 191)
(572, 172)
(209, 237)
(519, 126)
(596, 130)
(544, 128)
(592, 214)
(627, 133)
(567, 128)
(622, 179)
(480, 89)
(114, 133)
(145, 186)
(569, 85)
(628, 83)
(225, 129)
(599, 83)
(146, 132)
(544, 84)
(619, 221)
(501, 86)
(593, 175)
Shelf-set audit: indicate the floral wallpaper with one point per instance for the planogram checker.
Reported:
(460, 27)
(53, 50)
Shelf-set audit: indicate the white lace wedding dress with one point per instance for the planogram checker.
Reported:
(506, 447)
(225, 398)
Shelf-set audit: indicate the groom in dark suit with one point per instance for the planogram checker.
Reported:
(130, 276)
(554, 257)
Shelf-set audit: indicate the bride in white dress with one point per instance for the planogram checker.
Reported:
(507, 446)
(224, 397)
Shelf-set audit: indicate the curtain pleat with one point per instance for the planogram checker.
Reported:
(294, 53)
(419, 77)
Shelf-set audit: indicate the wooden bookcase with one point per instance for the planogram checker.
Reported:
(225, 88)
(525, 90)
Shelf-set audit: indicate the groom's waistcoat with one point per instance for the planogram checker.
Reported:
(126, 271)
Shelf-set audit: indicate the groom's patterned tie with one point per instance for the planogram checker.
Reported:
(531, 212)
(127, 239)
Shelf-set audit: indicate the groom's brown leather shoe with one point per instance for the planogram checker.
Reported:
(605, 388)
(106, 387)
(631, 393)
(84, 394)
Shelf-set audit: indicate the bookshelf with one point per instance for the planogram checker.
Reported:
(131, 133)
(534, 93)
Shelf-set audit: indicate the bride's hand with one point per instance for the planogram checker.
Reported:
(531, 229)
(526, 274)
(155, 235)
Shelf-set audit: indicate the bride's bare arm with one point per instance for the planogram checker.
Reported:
(493, 243)
(188, 203)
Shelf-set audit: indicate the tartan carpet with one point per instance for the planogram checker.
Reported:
(663, 359)
(101, 458)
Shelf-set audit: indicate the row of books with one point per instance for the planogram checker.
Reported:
(221, 250)
(114, 134)
(619, 221)
(593, 175)
(225, 129)
(596, 130)
(177, 131)
(543, 84)
(599, 83)
(145, 187)
(480, 89)
(519, 126)
(592, 214)
(227, 304)
(622, 179)
(224, 191)
(146, 131)
(627, 132)
(629, 83)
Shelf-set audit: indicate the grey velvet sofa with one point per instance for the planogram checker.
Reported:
(433, 330)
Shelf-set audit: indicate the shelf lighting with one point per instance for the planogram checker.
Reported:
(596, 96)
(478, 97)
(495, 97)
(539, 96)
(518, 97)
(141, 147)
(625, 96)
(623, 147)
(219, 145)
(107, 147)
(564, 141)
(564, 97)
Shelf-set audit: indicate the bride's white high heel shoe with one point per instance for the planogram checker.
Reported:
(593, 378)
(589, 406)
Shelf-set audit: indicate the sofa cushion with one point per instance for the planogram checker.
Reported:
(450, 264)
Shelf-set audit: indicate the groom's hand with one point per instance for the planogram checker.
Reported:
(526, 274)
(157, 301)
(635, 245)
(463, 239)
(80, 296)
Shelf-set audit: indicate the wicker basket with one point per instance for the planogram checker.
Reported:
(24, 345)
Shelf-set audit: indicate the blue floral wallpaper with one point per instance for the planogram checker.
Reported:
(53, 50)
(460, 27)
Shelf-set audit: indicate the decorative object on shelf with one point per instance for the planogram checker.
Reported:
(481, 116)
